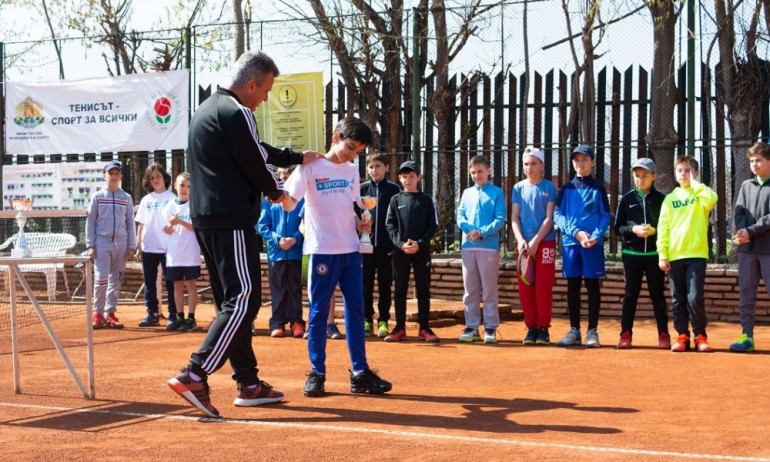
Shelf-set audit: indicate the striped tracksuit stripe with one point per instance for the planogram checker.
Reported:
(232, 257)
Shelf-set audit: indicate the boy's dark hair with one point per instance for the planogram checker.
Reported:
(760, 149)
(146, 178)
(478, 160)
(355, 129)
(378, 157)
(688, 160)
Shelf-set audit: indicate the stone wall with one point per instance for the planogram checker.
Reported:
(721, 289)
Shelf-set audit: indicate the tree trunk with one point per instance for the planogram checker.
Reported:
(442, 103)
(239, 30)
(662, 137)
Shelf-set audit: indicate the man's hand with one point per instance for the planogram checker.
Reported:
(310, 156)
(364, 226)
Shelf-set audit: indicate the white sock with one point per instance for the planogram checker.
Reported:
(195, 376)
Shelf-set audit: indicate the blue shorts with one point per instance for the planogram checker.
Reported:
(183, 273)
(578, 261)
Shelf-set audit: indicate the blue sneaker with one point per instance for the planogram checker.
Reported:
(744, 344)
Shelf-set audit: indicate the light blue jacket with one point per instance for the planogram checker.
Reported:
(483, 209)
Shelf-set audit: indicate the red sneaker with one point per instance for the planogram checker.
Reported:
(277, 333)
(702, 344)
(297, 331)
(98, 321)
(397, 335)
(113, 321)
(664, 341)
(625, 341)
(682, 344)
(427, 335)
(263, 393)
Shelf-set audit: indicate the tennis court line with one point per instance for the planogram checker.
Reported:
(407, 434)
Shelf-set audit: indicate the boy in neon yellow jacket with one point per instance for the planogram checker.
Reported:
(683, 251)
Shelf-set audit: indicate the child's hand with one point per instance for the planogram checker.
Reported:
(474, 235)
(582, 237)
(410, 247)
(664, 265)
(129, 254)
(532, 247)
(587, 244)
(643, 230)
(741, 237)
(286, 243)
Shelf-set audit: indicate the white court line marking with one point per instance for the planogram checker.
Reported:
(419, 435)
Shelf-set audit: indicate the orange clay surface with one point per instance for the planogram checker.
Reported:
(450, 401)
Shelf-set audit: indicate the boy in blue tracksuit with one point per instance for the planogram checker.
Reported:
(280, 230)
(583, 216)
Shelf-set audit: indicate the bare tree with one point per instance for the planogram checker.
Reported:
(662, 137)
(239, 29)
(741, 75)
(582, 103)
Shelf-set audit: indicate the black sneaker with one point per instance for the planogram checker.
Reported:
(188, 326)
(543, 337)
(369, 382)
(530, 338)
(150, 320)
(174, 323)
(314, 385)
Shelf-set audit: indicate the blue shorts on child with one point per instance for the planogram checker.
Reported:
(578, 261)
(183, 273)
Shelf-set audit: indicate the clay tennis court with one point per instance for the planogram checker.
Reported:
(450, 401)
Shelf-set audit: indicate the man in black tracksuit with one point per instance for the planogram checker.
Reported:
(380, 260)
(635, 223)
(229, 169)
(412, 222)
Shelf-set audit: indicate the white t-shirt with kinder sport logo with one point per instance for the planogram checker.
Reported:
(329, 190)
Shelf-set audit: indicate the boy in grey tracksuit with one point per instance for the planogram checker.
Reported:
(111, 240)
(752, 236)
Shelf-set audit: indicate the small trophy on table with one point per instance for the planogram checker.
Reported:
(21, 205)
(365, 244)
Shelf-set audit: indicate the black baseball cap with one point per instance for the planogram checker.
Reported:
(409, 165)
(113, 164)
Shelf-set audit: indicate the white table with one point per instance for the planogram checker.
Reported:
(16, 274)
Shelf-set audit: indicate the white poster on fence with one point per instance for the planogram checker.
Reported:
(137, 112)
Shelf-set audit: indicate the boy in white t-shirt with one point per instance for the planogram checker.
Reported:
(183, 258)
(330, 187)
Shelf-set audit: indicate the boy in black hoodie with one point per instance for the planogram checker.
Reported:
(635, 224)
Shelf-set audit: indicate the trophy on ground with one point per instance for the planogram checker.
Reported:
(21, 205)
(368, 202)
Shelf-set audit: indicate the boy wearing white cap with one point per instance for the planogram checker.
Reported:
(532, 205)
(635, 223)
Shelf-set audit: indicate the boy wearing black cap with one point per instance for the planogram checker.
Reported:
(582, 215)
(635, 223)
(111, 240)
(411, 224)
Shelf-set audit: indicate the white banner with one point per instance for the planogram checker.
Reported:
(137, 112)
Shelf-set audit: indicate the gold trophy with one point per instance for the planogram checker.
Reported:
(368, 203)
(21, 205)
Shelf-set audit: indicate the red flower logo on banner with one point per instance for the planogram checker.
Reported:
(162, 108)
